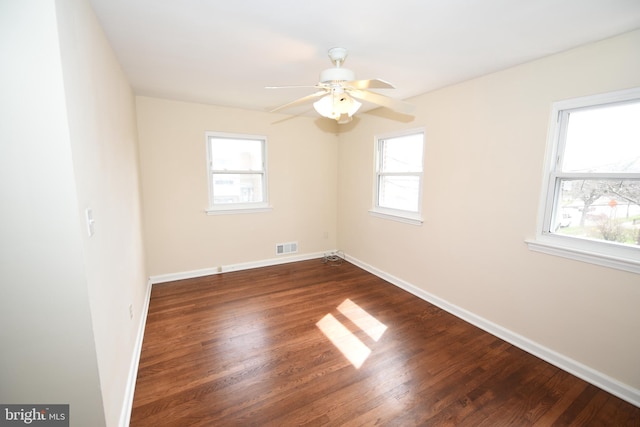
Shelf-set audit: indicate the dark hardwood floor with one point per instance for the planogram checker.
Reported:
(247, 349)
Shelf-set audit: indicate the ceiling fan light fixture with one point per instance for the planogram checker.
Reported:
(336, 106)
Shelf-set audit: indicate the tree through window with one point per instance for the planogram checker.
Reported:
(594, 182)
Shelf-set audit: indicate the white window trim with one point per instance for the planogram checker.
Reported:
(240, 209)
(407, 217)
(237, 208)
(396, 215)
(605, 254)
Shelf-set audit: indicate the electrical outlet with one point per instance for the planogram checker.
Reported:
(130, 311)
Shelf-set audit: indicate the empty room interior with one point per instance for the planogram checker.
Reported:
(213, 217)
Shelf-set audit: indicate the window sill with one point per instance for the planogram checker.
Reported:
(238, 210)
(397, 216)
(615, 261)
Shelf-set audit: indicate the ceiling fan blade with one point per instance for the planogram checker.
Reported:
(290, 87)
(369, 84)
(385, 101)
(300, 101)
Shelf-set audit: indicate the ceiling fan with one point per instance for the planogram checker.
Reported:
(339, 92)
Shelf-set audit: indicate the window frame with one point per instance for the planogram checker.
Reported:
(599, 252)
(400, 215)
(242, 207)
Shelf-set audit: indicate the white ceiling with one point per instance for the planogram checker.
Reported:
(226, 52)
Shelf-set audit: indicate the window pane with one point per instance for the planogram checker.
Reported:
(604, 139)
(402, 154)
(606, 210)
(399, 192)
(236, 154)
(237, 188)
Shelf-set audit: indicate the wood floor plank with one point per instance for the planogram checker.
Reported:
(246, 349)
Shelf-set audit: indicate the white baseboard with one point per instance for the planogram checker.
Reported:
(170, 277)
(162, 278)
(127, 406)
(605, 382)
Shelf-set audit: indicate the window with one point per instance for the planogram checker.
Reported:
(592, 198)
(237, 173)
(398, 180)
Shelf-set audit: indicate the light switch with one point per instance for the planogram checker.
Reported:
(90, 221)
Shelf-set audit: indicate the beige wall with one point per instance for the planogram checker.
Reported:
(102, 127)
(484, 158)
(68, 142)
(180, 237)
(47, 353)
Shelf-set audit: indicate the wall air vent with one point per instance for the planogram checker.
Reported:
(286, 248)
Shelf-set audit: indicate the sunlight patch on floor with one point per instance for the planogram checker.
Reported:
(369, 324)
(349, 345)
